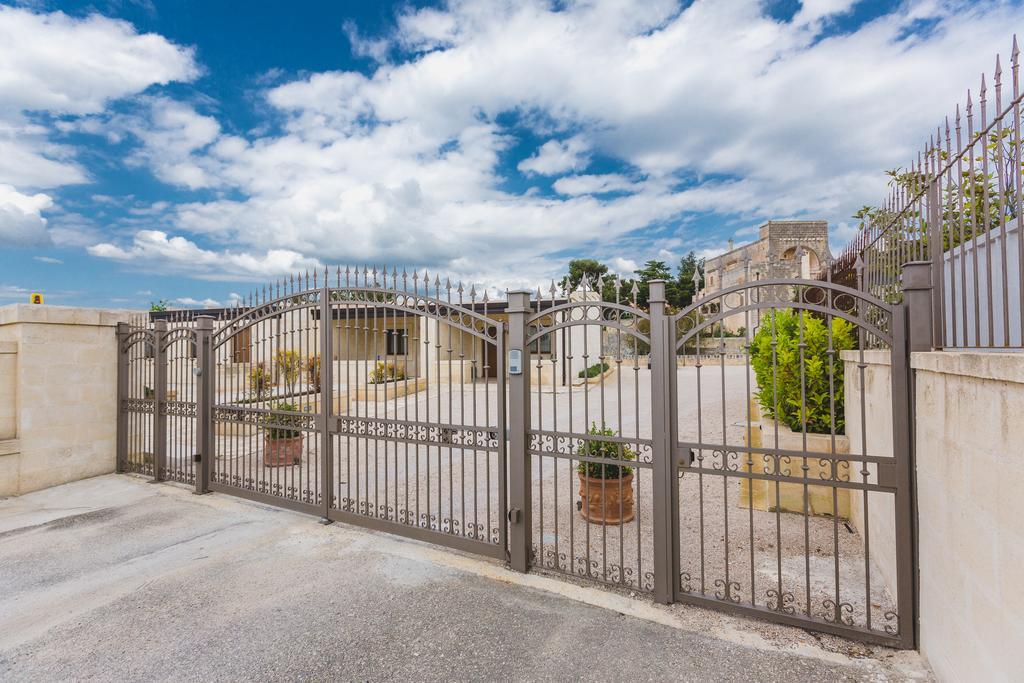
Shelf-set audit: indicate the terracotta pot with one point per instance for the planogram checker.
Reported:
(606, 501)
(281, 452)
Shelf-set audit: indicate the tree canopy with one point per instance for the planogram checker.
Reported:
(679, 289)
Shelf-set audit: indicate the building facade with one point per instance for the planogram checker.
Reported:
(773, 255)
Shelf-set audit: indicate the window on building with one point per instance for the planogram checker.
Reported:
(542, 345)
(396, 342)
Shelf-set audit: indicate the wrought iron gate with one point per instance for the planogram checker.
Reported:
(698, 455)
(795, 504)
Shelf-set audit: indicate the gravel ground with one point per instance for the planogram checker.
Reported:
(111, 579)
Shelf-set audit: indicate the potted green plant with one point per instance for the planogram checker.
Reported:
(606, 488)
(282, 437)
(796, 357)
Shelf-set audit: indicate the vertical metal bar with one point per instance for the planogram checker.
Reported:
(937, 250)
(520, 487)
(665, 488)
(205, 371)
(120, 465)
(159, 400)
(326, 401)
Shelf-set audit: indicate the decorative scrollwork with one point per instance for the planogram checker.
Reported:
(780, 603)
(180, 408)
(622, 317)
(138, 405)
(568, 445)
(765, 296)
(892, 628)
(838, 614)
(456, 436)
(266, 418)
(729, 590)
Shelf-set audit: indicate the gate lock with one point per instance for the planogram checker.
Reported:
(515, 515)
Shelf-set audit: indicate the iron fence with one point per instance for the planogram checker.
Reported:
(957, 207)
(558, 431)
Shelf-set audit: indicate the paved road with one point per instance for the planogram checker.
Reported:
(116, 579)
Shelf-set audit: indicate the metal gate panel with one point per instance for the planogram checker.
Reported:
(589, 439)
(418, 419)
(136, 399)
(780, 518)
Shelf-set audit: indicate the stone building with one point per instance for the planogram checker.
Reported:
(773, 255)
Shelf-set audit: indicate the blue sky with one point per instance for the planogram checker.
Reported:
(190, 151)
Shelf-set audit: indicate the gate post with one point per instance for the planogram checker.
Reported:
(205, 372)
(520, 484)
(666, 486)
(919, 298)
(159, 400)
(123, 330)
(913, 330)
(326, 401)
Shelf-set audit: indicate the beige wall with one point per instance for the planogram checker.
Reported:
(65, 394)
(970, 485)
(8, 390)
(970, 474)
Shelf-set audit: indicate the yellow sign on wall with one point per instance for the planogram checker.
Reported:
(36, 298)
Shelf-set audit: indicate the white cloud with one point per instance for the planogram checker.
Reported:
(556, 156)
(48, 260)
(197, 303)
(623, 266)
(68, 67)
(409, 163)
(21, 219)
(593, 184)
(153, 248)
(53, 62)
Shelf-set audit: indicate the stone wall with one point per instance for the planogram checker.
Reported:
(61, 389)
(970, 479)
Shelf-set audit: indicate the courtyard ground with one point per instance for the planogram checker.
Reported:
(115, 579)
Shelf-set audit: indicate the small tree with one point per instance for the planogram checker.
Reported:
(313, 372)
(260, 381)
(288, 368)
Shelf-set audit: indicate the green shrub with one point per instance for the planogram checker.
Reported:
(784, 373)
(617, 452)
(385, 372)
(594, 370)
(283, 426)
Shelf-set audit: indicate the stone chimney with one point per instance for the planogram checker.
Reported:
(730, 244)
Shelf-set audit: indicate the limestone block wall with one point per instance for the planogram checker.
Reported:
(970, 478)
(64, 376)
